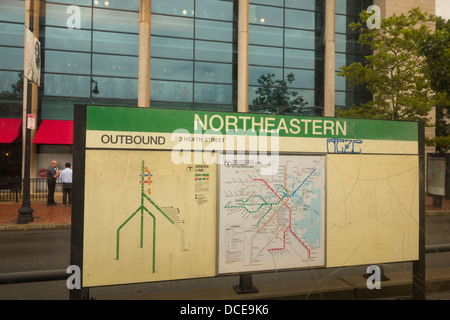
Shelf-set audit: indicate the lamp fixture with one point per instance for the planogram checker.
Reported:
(95, 90)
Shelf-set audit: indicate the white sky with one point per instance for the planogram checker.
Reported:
(443, 8)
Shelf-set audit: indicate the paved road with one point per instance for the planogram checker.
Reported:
(34, 250)
(50, 249)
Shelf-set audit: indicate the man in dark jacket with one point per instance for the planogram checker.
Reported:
(52, 174)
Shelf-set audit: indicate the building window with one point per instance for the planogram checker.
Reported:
(348, 50)
(286, 57)
(95, 64)
(12, 15)
(193, 54)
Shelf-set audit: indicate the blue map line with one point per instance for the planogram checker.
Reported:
(300, 184)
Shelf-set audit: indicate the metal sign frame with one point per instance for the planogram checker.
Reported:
(77, 232)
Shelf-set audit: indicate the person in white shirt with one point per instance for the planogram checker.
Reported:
(66, 179)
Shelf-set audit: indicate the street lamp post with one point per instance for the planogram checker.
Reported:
(26, 211)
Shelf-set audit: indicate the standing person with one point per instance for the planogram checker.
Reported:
(52, 174)
(66, 179)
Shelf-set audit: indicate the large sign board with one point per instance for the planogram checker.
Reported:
(172, 194)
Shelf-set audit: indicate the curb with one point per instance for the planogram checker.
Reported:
(436, 212)
(31, 226)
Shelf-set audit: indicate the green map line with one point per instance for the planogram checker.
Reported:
(171, 221)
(254, 204)
(142, 208)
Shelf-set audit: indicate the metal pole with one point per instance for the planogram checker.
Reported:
(77, 225)
(419, 265)
(245, 285)
(33, 276)
(437, 248)
(26, 211)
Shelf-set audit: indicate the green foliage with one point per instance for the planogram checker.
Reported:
(16, 88)
(442, 143)
(275, 97)
(394, 74)
(436, 49)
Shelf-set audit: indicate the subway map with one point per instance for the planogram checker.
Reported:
(275, 221)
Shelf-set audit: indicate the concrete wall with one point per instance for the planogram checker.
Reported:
(389, 7)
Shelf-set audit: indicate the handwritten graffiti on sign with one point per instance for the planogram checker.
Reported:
(336, 145)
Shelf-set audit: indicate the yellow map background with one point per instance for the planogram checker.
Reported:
(113, 194)
(372, 209)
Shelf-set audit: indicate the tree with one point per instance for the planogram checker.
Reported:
(394, 74)
(274, 96)
(436, 49)
(17, 88)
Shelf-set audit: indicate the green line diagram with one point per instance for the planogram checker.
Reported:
(258, 205)
(146, 178)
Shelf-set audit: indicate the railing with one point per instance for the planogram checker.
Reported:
(437, 248)
(11, 189)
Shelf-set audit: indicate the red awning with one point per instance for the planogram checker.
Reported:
(54, 132)
(9, 130)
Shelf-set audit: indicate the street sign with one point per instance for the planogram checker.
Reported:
(31, 121)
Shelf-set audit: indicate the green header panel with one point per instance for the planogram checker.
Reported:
(126, 119)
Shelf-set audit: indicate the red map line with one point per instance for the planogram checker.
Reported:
(290, 222)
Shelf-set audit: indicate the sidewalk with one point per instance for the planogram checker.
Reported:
(429, 209)
(46, 217)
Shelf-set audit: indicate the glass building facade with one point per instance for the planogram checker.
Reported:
(96, 62)
(193, 54)
(285, 44)
(348, 50)
(90, 55)
(12, 16)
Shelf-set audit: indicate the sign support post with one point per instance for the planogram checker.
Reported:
(77, 234)
(419, 265)
(245, 285)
